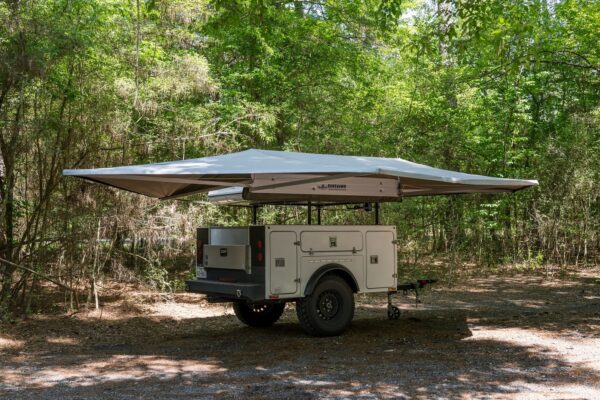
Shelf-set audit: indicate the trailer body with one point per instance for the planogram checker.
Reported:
(284, 262)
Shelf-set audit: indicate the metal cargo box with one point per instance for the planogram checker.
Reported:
(227, 256)
(228, 236)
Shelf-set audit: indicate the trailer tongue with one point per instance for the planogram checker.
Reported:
(260, 268)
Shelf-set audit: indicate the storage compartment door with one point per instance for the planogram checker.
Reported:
(315, 241)
(283, 263)
(381, 260)
(227, 257)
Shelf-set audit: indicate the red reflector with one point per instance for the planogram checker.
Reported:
(259, 244)
(273, 297)
(259, 257)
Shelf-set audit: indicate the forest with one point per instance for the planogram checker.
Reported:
(499, 88)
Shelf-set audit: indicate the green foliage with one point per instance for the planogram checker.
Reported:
(157, 276)
(503, 88)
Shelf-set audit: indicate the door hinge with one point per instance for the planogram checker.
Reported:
(297, 243)
(394, 275)
(297, 280)
(395, 241)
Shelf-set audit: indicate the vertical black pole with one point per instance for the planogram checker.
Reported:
(254, 214)
(376, 213)
(319, 215)
(309, 213)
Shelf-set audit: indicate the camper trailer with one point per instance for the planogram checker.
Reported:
(260, 268)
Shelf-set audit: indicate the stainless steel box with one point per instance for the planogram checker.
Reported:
(233, 256)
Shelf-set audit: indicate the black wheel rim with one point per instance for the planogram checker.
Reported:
(328, 305)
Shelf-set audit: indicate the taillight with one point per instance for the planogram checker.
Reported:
(259, 253)
(257, 243)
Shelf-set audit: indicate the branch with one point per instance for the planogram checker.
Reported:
(567, 63)
(44, 276)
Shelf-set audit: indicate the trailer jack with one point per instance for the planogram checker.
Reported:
(393, 312)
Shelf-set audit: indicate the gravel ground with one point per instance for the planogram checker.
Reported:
(517, 337)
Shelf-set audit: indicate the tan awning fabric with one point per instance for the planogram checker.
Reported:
(271, 176)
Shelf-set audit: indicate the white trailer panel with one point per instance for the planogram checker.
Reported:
(316, 241)
(380, 259)
(283, 260)
(373, 268)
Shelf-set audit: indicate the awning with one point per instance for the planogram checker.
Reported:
(266, 176)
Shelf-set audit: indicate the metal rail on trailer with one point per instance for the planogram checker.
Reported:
(319, 267)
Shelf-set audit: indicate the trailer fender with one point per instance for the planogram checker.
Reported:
(336, 269)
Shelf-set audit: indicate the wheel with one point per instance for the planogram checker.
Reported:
(329, 309)
(258, 315)
(393, 312)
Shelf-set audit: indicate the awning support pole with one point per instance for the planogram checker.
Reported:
(309, 213)
(376, 213)
(319, 214)
(254, 214)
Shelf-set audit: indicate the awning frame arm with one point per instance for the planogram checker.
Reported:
(191, 181)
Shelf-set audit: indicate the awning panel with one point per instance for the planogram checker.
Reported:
(272, 176)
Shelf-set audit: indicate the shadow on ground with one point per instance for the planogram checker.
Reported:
(468, 344)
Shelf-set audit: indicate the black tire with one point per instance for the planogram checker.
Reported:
(329, 309)
(258, 315)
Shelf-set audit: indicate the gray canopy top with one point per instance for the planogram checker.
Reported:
(266, 176)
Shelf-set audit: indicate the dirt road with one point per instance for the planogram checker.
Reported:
(515, 338)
